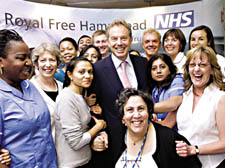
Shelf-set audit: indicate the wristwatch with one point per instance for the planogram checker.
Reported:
(196, 150)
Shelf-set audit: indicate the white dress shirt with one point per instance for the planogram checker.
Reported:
(129, 70)
(200, 126)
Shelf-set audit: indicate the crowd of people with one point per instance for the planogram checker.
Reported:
(97, 103)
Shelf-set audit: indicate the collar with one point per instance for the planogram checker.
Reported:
(179, 58)
(210, 88)
(118, 61)
(4, 86)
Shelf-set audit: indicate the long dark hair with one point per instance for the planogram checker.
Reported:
(70, 67)
(173, 70)
(209, 35)
(84, 50)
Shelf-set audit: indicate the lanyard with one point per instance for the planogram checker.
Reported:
(140, 150)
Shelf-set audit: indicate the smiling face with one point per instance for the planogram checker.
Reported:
(47, 64)
(151, 43)
(136, 115)
(82, 75)
(17, 65)
(101, 42)
(160, 70)
(67, 50)
(119, 41)
(92, 55)
(198, 37)
(85, 41)
(172, 46)
(199, 71)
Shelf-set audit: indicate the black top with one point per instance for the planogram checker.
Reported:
(52, 94)
(165, 155)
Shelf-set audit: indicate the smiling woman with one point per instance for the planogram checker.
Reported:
(202, 108)
(46, 58)
(148, 144)
(68, 49)
(25, 119)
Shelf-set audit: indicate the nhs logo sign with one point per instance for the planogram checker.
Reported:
(174, 20)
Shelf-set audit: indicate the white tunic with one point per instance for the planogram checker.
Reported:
(200, 126)
(179, 62)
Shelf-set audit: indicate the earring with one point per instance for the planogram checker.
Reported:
(1, 71)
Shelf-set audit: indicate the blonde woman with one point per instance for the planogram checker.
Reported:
(46, 58)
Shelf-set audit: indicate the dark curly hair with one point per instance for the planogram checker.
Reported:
(126, 93)
(70, 40)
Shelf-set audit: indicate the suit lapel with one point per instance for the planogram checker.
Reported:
(110, 74)
(138, 69)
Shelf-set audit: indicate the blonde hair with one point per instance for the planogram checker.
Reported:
(118, 23)
(151, 30)
(50, 47)
(216, 77)
(98, 33)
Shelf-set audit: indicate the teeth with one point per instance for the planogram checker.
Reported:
(136, 122)
(67, 57)
(151, 49)
(120, 49)
(169, 48)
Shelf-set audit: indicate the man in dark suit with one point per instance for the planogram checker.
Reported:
(108, 83)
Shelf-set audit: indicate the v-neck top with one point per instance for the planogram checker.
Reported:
(199, 126)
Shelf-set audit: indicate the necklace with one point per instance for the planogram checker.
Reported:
(140, 150)
(46, 87)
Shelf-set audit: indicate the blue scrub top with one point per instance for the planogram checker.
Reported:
(25, 127)
(176, 88)
(60, 73)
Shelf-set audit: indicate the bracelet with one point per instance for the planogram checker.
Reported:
(196, 150)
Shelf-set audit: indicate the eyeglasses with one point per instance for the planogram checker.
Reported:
(202, 66)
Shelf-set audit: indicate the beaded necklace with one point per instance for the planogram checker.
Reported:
(140, 150)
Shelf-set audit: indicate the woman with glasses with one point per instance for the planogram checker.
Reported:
(201, 116)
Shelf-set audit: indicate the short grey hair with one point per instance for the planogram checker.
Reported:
(50, 47)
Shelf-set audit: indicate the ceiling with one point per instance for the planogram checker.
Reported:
(106, 4)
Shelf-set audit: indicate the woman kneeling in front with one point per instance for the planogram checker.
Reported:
(148, 144)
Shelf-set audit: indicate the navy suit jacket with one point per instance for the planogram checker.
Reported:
(107, 86)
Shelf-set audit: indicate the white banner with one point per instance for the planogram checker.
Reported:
(48, 23)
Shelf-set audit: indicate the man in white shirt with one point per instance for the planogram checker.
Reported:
(108, 83)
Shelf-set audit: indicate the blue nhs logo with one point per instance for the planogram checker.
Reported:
(174, 20)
